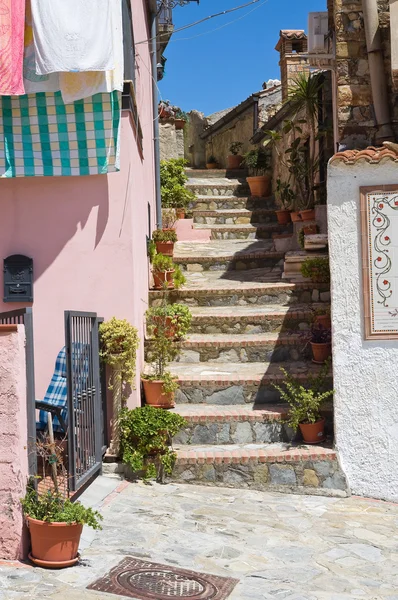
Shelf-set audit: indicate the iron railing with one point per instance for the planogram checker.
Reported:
(85, 420)
(24, 316)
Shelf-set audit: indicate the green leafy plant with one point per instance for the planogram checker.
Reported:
(178, 277)
(151, 250)
(176, 316)
(119, 344)
(163, 263)
(316, 269)
(181, 114)
(258, 161)
(301, 236)
(235, 147)
(164, 235)
(169, 218)
(211, 160)
(146, 440)
(304, 402)
(172, 181)
(284, 194)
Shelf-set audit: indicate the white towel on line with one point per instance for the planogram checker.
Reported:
(73, 35)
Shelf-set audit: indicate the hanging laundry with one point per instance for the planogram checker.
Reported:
(12, 24)
(44, 137)
(35, 83)
(72, 35)
(75, 86)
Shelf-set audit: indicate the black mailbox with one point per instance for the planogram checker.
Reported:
(18, 279)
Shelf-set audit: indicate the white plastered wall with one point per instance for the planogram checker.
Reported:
(365, 372)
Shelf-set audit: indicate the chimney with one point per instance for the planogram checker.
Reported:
(292, 47)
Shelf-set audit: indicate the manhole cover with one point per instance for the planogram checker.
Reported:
(150, 581)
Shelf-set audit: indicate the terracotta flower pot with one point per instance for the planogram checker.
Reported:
(234, 161)
(179, 123)
(211, 165)
(169, 327)
(313, 433)
(180, 213)
(323, 320)
(260, 186)
(165, 248)
(307, 215)
(54, 545)
(321, 352)
(295, 216)
(283, 216)
(163, 114)
(154, 395)
(160, 277)
(310, 229)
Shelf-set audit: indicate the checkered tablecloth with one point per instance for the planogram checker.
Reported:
(42, 136)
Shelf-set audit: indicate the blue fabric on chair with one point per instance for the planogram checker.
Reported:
(57, 392)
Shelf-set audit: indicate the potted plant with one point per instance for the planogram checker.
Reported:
(169, 218)
(211, 162)
(175, 319)
(257, 161)
(165, 111)
(55, 523)
(308, 230)
(163, 270)
(147, 435)
(321, 343)
(172, 180)
(164, 240)
(181, 118)
(234, 160)
(284, 194)
(322, 317)
(316, 269)
(305, 403)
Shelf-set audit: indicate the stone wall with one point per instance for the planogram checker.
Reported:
(171, 140)
(13, 441)
(195, 146)
(356, 122)
(239, 129)
(364, 371)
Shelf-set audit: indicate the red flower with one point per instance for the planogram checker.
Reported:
(378, 220)
(387, 238)
(379, 258)
(385, 282)
(381, 205)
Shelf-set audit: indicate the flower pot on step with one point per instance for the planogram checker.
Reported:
(211, 165)
(321, 352)
(310, 229)
(180, 213)
(259, 186)
(54, 545)
(169, 328)
(323, 320)
(283, 242)
(283, 216)
(313, 433)
(179, 124)
(155, 396)
(308, 215)
(234, 161)
(166, 248)
(160, 278)
(295, 216)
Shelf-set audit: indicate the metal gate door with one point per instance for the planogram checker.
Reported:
(84, 397)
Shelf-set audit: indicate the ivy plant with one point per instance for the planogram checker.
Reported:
(146, 440)
(316, 269)
(119, 344)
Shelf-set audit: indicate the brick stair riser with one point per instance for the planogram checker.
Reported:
(234, 393)
(250, 324)
(255, 217)
(242, 297)
(239, 263)
(320, 477)
(270, 353)
(206, 189)
(240, 174)
(225, 203)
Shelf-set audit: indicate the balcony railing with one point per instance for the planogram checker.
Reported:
(165, 16)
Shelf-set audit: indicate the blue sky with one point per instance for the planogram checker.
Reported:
(222, 68)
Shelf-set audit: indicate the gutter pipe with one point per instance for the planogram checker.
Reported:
(155, 100)
(377, 74)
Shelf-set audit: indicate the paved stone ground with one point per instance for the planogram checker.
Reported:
(279, 546)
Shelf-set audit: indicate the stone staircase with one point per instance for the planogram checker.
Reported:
(246, 325)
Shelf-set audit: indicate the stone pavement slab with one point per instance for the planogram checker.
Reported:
(279, 546)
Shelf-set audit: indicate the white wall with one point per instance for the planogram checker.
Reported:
(365, 372)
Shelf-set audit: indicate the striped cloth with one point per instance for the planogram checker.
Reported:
(40, 135)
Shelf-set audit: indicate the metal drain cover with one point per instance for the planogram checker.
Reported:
(150, 581)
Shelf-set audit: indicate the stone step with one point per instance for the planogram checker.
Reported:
(216, 173)
(242, 232)
(229, 202)
(217, 187)
(272, 467)
(263, 347)
(239, 288)
(235, 383)
(251, 319)
(226, 255)
(234, 216)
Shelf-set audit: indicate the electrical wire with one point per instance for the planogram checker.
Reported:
(220, 14)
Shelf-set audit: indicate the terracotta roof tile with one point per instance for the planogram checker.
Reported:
(372, 155)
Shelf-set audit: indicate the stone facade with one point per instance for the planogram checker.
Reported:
(356, 122)
(171, 140)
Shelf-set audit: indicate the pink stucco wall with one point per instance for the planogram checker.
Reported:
(13, 442)
(87, 235)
